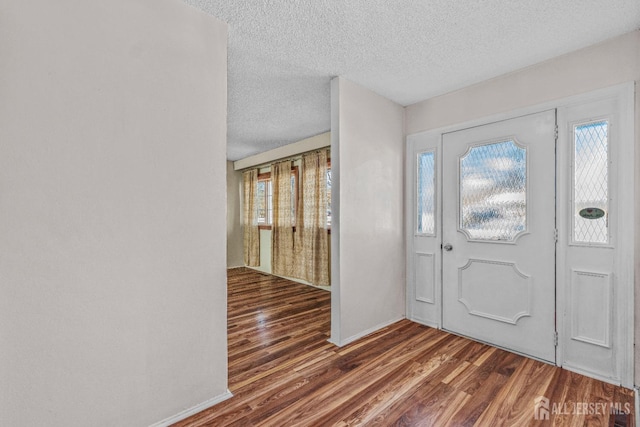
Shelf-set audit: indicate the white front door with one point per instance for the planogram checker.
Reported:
(499, 234)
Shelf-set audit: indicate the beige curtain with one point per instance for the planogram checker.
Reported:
(312, 239)
(250, 219)
(282, 224)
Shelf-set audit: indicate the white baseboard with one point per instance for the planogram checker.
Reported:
(293, 279)
(229, 267)
(365, 333)
(193, 410)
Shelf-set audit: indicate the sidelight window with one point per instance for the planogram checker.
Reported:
(426, 193)
(591, 183)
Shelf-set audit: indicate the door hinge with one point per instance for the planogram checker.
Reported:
(555, 234)
(555, 339)
(555, 135)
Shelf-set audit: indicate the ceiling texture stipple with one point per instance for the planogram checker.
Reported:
(283, 54)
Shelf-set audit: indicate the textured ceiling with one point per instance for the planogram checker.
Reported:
(283, 54)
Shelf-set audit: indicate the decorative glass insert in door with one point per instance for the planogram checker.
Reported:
(493, 192)
(426, 223)
(591, 183)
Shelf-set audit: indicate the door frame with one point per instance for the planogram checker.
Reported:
(625, 250)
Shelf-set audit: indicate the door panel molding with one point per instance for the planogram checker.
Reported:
(425, 266)
(590, 294)
(511, 314)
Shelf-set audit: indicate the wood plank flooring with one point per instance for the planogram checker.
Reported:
(283, 372)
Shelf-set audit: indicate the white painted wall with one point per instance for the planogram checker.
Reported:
(602, 65)
(235, 250)
(112, 207)
(368, 254)
(606, 64)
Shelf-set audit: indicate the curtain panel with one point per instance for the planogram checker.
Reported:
(282, 223)
(311, 238)
(251, 233)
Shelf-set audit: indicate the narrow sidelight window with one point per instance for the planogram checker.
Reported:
(426, 193)
(591, 182)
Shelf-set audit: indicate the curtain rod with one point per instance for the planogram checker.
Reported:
(290, 158)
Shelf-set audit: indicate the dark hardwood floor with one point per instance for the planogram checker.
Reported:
(283, 372)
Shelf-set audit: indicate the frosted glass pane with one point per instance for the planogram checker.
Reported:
(493, 191)
(329, 196)
(426, 193)
(262, 202)
(591, 182)
(264, 196)
(293, 198)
